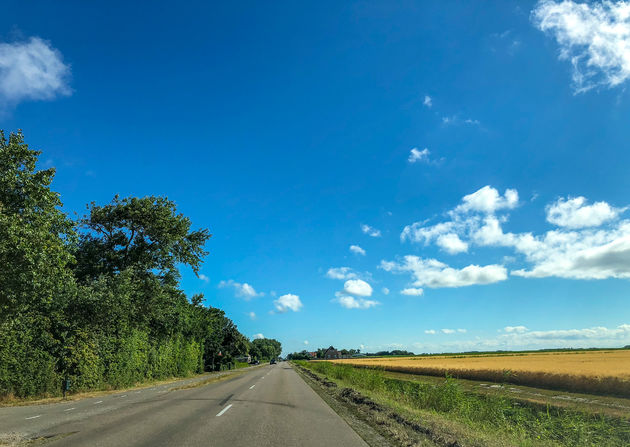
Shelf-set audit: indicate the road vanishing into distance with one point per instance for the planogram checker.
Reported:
(264, 406)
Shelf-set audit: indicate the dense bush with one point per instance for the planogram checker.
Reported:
(97, 300)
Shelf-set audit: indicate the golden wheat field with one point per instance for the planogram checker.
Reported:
(590, 371)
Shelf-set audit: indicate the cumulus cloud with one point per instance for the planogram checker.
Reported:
(357, 250)
(32, 70)
(590, 243)
(430, 331)
(428, 102)
(259, 336)
(357, 287)
(435, 274)
(451, 243)
(243, 290)
(448, 331)
(370, 231)
(351, 302)
(488, 200)
(412, 291)
(415, 155)
(288, 302)
(575, 213)
(340, 273)
(594, 37)
(306, 342)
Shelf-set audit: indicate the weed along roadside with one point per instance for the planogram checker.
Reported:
(449, 415)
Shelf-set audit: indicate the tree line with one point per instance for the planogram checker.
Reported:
(97, 300)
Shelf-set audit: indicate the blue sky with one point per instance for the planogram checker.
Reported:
(376, 175)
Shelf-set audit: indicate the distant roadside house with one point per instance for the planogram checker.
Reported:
(312, 355)
(332, 353)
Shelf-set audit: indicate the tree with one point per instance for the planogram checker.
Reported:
(145, 234)
(36, 283)
(265, 348)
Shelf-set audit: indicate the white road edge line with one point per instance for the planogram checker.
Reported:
(224, 410)
(70, 409)
(33, 417)
(252, 387)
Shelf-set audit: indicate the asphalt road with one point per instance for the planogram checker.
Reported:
(265, 406)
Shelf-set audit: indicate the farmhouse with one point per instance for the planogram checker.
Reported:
(332, 353)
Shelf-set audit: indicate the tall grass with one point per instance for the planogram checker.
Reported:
(526, 423)
(609, 385)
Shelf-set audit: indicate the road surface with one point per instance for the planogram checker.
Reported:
(265, 406)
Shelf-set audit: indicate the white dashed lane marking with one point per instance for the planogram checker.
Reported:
(34, 417)
(224, 410)
(252, 387)
(70, 409)
(99, 402)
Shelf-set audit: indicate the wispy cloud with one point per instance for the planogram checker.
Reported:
(340, 273)
(204, 278)
(252, 315)
(370, 231)
(594, 37)
(416, 155)
(351, 302)
(428, 102)
(357, 250)
(31, 70)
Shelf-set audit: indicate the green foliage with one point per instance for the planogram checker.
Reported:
(98, 301)
(265, 349)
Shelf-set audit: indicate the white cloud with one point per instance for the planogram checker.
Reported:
(204, 278)
(462, 331)
(288, 302)
(252, 315)
(583, 247)
(412, 291)
(350, 302)
(515, 329)
(488, 200)
(430, 331)
(243, 290)
(435, 274)
(451, 243)
(306, 342)
(416, 155)
(357, 287)
(32, 70)
(448, 331)
(427, 101)
(370, 231)
(341, 273)
(357, 250)
(575, 213)
(593, 37)
(385, 291)
(558, 338)
(259, 336)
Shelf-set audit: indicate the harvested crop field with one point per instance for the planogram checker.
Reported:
(597, 372)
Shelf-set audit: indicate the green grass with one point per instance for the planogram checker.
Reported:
(492, 416)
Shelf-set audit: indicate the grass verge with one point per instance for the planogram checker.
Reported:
(464, 418)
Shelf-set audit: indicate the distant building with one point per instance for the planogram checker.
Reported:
(313, 355)
(331, 353)
(244, 359)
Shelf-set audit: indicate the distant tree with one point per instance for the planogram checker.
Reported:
(265, 348)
